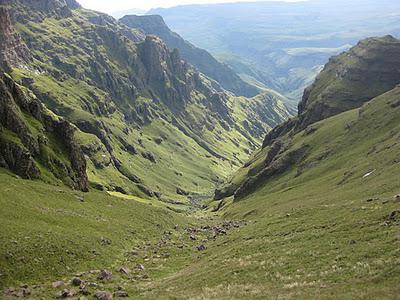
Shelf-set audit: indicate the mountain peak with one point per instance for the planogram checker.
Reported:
(144, 21)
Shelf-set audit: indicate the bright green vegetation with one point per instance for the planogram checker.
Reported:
(281, 45)
(49, 231)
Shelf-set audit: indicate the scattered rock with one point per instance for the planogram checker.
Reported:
(121, 294)
(84, 292)
(105, 275)
(149, 156)
(201, 248)
(146, 190)
(121, 190)
(393, 215)
(10, 292)
(105, 241)
(158, 140)
(102, 295)
(397, 197)
(124, 270)
(76, 281)
(140, 267)
(57, 284)
(181, 191)
(66, 293)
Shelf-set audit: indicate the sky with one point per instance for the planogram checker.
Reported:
(108, 6)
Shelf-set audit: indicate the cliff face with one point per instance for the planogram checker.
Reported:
(32, 138)
(42, 8)
(202, 60)
(13, 52)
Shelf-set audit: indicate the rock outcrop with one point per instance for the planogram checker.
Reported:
(30, 134)
(13, 52)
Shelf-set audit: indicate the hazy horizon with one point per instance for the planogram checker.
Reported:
(144, 5)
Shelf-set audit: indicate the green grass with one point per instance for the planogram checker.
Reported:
(47, 232)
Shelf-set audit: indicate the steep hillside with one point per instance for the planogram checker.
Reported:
(349, 80)
(367, 70)
(199, 58)
(69, 231)
(281, 44)
(140, 111)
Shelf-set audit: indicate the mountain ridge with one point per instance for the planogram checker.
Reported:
(348, 81)
(199, 58)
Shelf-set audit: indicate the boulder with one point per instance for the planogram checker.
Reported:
(76, 281)
(103, 295)
(105, 275)
(121, 294)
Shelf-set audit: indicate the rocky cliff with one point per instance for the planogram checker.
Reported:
(202, 60)
(33, 138)
(13, 52)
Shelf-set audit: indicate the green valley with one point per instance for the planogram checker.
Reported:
(135, 165)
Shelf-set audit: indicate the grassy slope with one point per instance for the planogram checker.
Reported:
(315, 235)
(48, 232)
